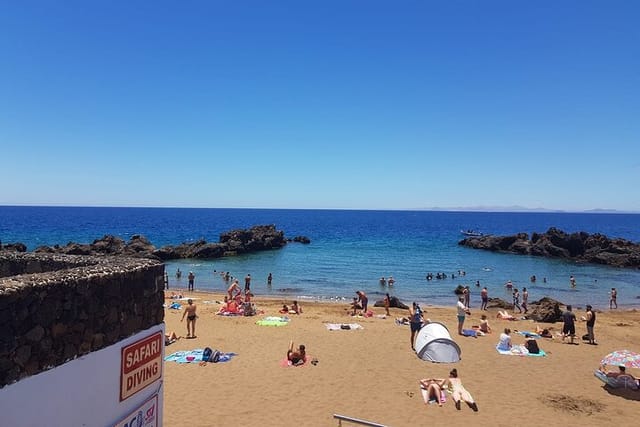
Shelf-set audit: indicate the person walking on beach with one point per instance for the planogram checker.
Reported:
(387, 304)
(247, 282)
(525, 299)
(484, 294)
(569, 328)
(516, 300)
(190, 312)
(416, 320)
(613, 300)
(591, 321)
(462, 312)
(191, 278)
(166, 280)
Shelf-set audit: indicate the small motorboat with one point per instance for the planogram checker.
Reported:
(471, 233)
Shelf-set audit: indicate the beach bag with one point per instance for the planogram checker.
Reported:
(210, 355)
(206, 354)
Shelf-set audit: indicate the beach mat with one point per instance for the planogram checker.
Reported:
(520, 351)
(343, 326)
(194, 356)
(273, 321)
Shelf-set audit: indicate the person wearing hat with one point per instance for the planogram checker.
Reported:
(591, 321)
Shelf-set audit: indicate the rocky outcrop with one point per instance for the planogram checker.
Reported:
(393, 302)
(545, 310)
(581, 247)
(257, 238)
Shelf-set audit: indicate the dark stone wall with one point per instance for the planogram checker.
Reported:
(54, 308)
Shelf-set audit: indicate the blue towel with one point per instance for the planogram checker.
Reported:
(181, 356)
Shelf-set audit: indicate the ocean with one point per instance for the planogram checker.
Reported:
(351, 250)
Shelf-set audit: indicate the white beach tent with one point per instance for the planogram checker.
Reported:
(434, 343)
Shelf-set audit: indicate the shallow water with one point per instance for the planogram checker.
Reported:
(351, 250)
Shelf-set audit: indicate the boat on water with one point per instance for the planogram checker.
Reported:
(471, 233)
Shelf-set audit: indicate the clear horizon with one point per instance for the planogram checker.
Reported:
(334, 105)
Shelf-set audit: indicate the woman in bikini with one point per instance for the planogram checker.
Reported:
(190, 312)
(458, 392)
(433, 386)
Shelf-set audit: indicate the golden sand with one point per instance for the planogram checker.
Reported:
(373, 374)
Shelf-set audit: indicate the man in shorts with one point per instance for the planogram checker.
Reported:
(569, 328)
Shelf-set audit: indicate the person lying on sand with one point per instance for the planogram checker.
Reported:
(433, 386)
(502, 314)
(458, 392)
(543, 332)
(170, 338)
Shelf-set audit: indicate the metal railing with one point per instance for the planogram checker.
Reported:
(342, 418)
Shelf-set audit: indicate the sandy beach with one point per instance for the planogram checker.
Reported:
(373, 374)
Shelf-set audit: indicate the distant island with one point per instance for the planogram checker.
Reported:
(516, 209)
(581, 247)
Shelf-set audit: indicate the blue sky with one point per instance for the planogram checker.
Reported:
(321, 104)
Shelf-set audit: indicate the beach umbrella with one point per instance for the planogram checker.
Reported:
(629, 359)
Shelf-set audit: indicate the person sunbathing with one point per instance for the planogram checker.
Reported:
(433, 387)
(458, 392)
(484, 324)
(284, 309)
(295, 308)
(615, 374)
(543, 332)
(170, 338)
(505, 340)
(296, 357)
(502, 314)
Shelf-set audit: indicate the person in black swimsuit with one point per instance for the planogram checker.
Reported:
(190, 313)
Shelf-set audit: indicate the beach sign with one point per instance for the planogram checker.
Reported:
(146, 415)
(141, 364)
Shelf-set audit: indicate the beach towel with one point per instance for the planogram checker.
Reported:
(343, 326)
(194, 356)
(472, 333)
(286, 363)
(520, 350)
(273, 321)
(529, 334)
(425, 396)
(175, 306)
(230, 313)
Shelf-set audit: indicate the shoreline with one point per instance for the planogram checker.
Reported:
(346, 300)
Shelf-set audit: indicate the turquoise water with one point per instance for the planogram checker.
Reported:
(351, 250)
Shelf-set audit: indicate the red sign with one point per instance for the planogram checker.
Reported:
(141, 365)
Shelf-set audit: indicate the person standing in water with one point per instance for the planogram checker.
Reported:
(191, 278)
(613, 300)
